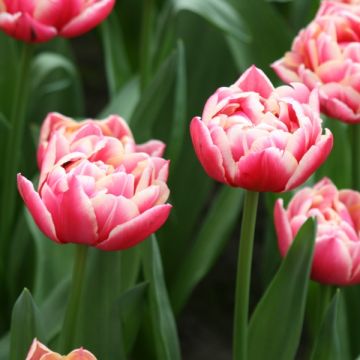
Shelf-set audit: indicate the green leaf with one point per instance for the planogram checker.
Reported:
(275, 327)
(327, 345)
(53, 261)
(162, 317)
(4, 347)
(116, 62)
(53, 309)
(178, 131)
(219, 13)
(130, 267)
(26, 325)
(55, 86)
(151, 101)
(98, 305)
(131, 305)
(124, 102)
(214, 233)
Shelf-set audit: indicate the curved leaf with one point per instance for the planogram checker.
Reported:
(275, 327)
(163, 322)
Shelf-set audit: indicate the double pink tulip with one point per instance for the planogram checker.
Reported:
(95, 189)
(38, 351)
(37, 20)
(337, 245)
(258, 137)
(326, 55)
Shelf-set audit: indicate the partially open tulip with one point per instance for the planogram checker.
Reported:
(38, 351)
(337, 244)
(68, 132)
(326, 55)
(38, 20)
(258, 137)
(98, 193)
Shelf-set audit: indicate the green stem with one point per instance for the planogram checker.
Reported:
(146, 36)
(68, 331)
(13, 146)
(355, 155)
(244, 275)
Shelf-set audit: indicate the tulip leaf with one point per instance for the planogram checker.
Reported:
(328, 345)
(53, 261)
(219, 13)
(55, 85)
(5, 347)
(53, 308)
(214, 233)
(162, 317)
(154, 95)
(124, 101)
(131, 304)
(130, 267)
(26, 325)
(280, 313)
(98, 307)
(179, 118)
(116, 62)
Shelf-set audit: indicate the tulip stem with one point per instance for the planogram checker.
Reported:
(13, 145)
(244, 275)
(68, 331)
(355, 155)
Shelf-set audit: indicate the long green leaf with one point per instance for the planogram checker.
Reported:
(26, 325)
(275, 327)
(124, 102)
(162, 317)
(214, 233)
(131, 305)
(180, 120)
(327, 345)
(116, 61)
(219, 13)
(5, 347)
(147, 110)
(102, 290)
(53, 261)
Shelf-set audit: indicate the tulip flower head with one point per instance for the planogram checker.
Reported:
(326, 55)
(337, 244)
(258, 137)
(39, 21)
(38, 351)
(98, 190)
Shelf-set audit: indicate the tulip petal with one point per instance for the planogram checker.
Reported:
(268, 170)
(37, 208)
(88, 18)
(80, 354)
(208, 154)
(254, 79)
(331, 254)
(77, 223)
(282, 227)
(152, 148)
(137, 229)
(313, 158)
(37, 350)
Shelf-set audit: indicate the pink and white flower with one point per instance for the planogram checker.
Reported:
(258, 137)
(38, 20)
(337, 244)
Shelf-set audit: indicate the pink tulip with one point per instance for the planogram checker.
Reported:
(38, 21)
(68, 132)
(254, 136)
(337, 244)
(326, 55)
(38, 351)
(95, 191)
